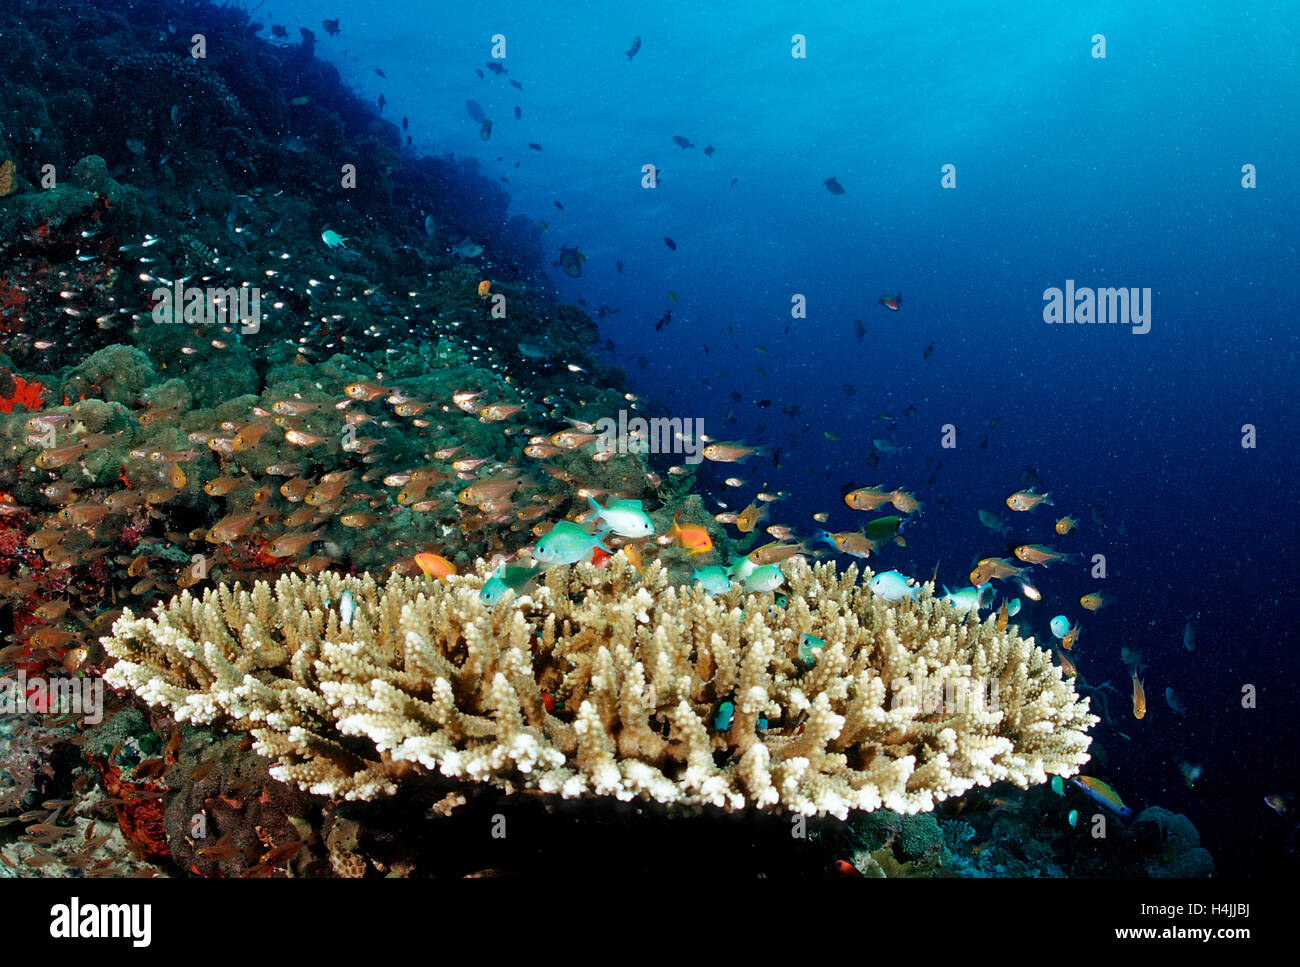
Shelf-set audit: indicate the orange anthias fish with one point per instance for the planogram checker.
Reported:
(773, 553)
(904, 502)
(248, 436)
(1027, 500)
(994, 567)
(1095, 601)
(326, 490)
(1071, 637)
(286, 545)
(232, 527)
(751, 517)
(1066, 524)
(485, 288)
(295, 489)
(435, 565)
(365, 391)
(491, 490)
(497, 412)
(633, 556)
(1041, 554)
(891, 302)
(854, 543)
(867, 498)
(1139, 698)
(694, 538)
(569, 439)
(732, 452)
(52, 611)
(357, 519)
(61, 457)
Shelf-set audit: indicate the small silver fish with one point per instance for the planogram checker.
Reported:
(347, 608)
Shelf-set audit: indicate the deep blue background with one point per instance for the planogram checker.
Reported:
(1124, 171)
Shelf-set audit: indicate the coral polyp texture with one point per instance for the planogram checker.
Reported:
(606, 682)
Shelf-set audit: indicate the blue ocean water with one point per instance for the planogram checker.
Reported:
(1124, 171)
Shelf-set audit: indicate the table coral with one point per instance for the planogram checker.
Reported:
(426, 678)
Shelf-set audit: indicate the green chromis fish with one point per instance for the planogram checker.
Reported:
(332, 238)
(766, 577)
(505, 579)
(808, 645)
(712, 579)
(741, 569)
(969, 599)
(722, 721)
(1058, 785)
(567, 543)
(347, 608)
(892, 586)
(624, 517)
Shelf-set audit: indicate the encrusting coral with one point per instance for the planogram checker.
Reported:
(608, 682)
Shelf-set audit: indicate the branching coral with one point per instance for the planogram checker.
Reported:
(610, 683)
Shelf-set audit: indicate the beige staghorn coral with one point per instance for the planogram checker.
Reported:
(907, 703)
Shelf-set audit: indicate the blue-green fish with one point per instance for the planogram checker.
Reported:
(766, 577)
(347, 608)
(332, 238)
(1074, 816)
(969, 599)
(741, 569)
(722, 721)
(808, 645)
(713, 579)
(624, 517)
(1058, 785)
(567, 543)
(892, 586)
(505, 579)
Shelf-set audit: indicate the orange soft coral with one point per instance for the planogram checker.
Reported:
(28, 394)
